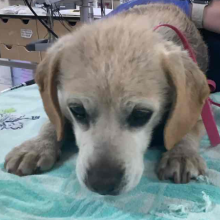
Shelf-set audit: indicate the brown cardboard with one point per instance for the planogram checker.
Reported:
(9, 52)
(17, 31)
(27, 31)
(58, 28)
(8, 31)
(26, 55)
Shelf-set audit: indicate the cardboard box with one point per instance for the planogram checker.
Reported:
(24, 54)
(60, 28)
(16, 31)
(9, 52)
(16, 52)
(27, 31)
(9, 31)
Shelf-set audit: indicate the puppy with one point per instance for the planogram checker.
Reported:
(115, 81)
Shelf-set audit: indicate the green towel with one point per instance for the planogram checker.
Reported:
(58, 195)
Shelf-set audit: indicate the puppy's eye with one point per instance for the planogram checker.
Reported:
(139, 117)
(79, 112)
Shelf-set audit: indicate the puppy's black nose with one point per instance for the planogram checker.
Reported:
(105, 178)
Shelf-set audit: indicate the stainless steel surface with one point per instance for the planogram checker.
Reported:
(46, 1)
(86, 15)
(43, 46)
(17, 64)
(86, 11)
(50, 22)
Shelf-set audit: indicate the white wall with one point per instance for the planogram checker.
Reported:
(4, 3)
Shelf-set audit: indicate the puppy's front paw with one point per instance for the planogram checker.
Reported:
(181, 165)
(31, 157)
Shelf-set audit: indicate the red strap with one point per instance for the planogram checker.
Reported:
(207, 115)
(212, 85)
(182, 38)
(187, 47)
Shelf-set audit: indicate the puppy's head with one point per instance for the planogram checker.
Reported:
(113, 82)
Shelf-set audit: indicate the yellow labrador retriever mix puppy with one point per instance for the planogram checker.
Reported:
(117, 82)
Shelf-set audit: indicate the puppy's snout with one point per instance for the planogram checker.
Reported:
(105, 178)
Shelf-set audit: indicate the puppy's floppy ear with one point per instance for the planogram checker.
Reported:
(191, 91)
(46, 78)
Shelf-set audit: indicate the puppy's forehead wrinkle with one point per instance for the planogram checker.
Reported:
(113, 41)
(114, 63)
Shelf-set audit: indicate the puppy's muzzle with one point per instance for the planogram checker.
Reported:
(105, 177)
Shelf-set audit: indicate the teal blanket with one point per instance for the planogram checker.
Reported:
(58, 195)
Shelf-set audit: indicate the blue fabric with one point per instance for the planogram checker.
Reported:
(182, 4)
(57, 195)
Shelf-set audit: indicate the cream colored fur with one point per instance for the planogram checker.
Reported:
(111, 67)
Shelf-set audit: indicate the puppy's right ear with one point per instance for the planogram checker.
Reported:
(46, 77)
(191, 90)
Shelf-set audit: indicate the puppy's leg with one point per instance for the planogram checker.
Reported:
(37, 154)
(183, 162)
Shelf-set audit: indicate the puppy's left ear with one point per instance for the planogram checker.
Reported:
(47, 79)
(191, 90)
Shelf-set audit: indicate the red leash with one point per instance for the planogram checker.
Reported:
(182, 38)
(207, 114)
